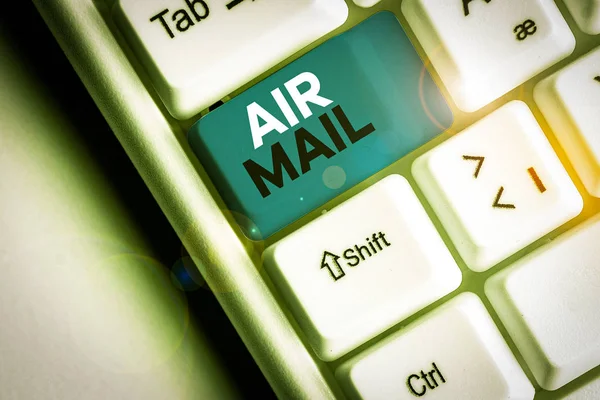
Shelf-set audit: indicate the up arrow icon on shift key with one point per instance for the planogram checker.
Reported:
(330, 261)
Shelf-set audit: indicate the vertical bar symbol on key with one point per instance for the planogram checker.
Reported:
(536, 179)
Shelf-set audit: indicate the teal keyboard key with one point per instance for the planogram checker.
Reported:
(320, 125)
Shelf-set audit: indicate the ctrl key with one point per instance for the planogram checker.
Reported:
(455, 352)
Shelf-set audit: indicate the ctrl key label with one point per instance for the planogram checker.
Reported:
(454, 352)
(362, 267)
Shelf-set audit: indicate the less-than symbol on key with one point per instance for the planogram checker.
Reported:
(597, 79)
(497, 203)
(479, 160)
(330, 261)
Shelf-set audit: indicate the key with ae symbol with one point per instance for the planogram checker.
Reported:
(482, 49)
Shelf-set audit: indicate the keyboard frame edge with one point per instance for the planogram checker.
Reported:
(170, 174)
(158, 149)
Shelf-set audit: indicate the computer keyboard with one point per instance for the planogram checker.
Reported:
(425, 181)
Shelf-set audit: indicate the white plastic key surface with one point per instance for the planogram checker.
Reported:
(455, 352)
(590, 391)
(570, 102)
(197, 52)
(497, 186)
(362, 267)
(484, 48)
(366, 3)
(549, 302)
(586, 13)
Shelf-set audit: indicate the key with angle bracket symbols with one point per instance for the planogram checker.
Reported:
(497, 186)
(484, 48)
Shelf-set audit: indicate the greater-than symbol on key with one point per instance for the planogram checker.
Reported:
(497, 203)
(330, 261)
(479, 160)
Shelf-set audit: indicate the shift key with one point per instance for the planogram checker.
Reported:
(320, 125)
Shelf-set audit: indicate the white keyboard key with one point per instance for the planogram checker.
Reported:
(497, 186)
(590, 391)
(586, 13)
(549, 302)
(366, 3)
(362, 267)
(484, 48)
(570, 101)
(197, 52)
(455, 352)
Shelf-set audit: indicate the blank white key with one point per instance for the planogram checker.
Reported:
(570, 101)
(197, 52)
(362, 267)
(455, 352)
(586, 13)
(497, 186)
(549, 303)
(484, 48)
